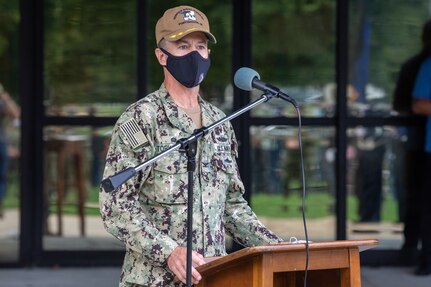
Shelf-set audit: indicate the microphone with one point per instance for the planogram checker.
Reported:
(247, 79)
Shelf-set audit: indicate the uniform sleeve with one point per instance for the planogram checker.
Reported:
(241, 222)
(121, 211)
(422, 88)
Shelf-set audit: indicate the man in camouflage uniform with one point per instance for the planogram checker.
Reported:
(149, 212)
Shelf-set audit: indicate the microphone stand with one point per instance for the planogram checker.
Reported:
(189, 145)
(190, 151)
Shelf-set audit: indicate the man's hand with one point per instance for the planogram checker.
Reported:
(177, 262)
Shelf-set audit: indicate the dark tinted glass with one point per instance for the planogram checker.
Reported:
(90, 57)
(277, 181)
(294, 49)
(9, 131)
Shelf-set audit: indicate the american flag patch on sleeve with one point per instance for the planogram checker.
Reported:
(133, 133)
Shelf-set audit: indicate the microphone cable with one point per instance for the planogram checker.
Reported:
(247, 79)
(301, 152)
(298, 112)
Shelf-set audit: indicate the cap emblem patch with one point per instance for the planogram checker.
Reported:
(188, 15)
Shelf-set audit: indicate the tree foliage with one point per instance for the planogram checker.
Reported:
(90, 47)
(9, 51)
(294, 41)
(90, 51)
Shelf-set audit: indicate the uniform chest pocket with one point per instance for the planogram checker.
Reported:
(170, 179)
(223, 161)
(217, 170)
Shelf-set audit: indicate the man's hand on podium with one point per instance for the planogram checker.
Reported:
(177, 262)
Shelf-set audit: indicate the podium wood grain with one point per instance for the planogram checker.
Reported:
(331, 263)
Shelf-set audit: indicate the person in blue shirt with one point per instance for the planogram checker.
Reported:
(414, 165)
(421, 105)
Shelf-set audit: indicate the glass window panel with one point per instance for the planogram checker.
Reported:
(9, 131)
(381, 38)
(216, 87)
(90, 57)
(296, 55)
(74, 158)
(377, 185)
(277, 187)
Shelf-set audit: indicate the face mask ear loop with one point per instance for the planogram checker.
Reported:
(163, 50)
(167, 54)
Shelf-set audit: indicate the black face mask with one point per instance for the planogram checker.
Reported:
(190, 70)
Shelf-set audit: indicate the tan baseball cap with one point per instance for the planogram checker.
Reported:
(180, 21)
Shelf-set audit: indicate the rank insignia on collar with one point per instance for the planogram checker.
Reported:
(133, 133)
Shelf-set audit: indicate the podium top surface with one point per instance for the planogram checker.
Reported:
(287, 247)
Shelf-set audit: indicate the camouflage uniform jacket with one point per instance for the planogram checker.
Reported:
(149, 212)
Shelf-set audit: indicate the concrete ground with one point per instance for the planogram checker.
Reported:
(108, 277)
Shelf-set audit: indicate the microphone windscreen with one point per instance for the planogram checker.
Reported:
(244, 77)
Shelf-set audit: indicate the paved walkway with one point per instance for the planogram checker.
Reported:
(108, 277)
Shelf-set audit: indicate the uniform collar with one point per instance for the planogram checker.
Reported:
(178, 118)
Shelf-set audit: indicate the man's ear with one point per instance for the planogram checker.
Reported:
(161, 57)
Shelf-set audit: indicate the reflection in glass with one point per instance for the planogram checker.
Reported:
(9, 132)
(90, 57)
(74, 158)
(377, 183)
(375, 55)
(277, 186)
(295, 55)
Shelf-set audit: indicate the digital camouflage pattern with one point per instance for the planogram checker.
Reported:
(149, 212)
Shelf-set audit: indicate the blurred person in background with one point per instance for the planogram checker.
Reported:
(421, 105)
(415, 154)
(9, 113)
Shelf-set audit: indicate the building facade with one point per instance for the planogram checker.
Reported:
(74, 66)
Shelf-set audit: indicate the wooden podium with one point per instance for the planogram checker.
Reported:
(333, 264)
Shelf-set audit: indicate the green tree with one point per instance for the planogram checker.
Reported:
(90, 51)
(9, 52)
(294, 41)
